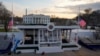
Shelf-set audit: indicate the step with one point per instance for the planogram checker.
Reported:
(26, 48)
(26, 51)
(22, 48)
(49, 49)
(71, 47)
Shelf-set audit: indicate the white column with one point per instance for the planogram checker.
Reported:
(44, 21)
(34, 35)
(60, 36)
(69, 35)
(42, 35)
(34, 20)
(39, 37)
(66, 35)
(37, 20)
(23, 38)
(52, 36)
(26, 20)
(57, 35)
(47, 36)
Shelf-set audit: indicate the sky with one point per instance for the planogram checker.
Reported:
(60, 8)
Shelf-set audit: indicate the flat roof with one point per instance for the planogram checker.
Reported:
(44, 26)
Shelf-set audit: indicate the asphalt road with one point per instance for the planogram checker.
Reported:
(81, 52)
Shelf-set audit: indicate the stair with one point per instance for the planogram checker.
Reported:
(72, 46)
(49, 49)
(26, 48)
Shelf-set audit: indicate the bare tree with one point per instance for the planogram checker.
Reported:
(5, 16)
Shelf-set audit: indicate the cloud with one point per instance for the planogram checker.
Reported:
(94, 6)
(18, 10)
(69, 2)
(62, 8)
(65, 13)
(73, 2)
(54, 10)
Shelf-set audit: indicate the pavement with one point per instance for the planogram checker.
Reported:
(82, 52)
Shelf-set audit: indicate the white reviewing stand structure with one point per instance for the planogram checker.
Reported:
(40, 35)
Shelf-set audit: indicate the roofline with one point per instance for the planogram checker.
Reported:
(39, 26)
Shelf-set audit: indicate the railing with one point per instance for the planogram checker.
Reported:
(50, 42)
(28, 45)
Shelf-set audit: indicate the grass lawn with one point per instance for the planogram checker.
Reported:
(3, 30)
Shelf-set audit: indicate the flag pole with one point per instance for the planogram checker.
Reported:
(12, 12)
(12, 27)
(76, 34)
(78, 14)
